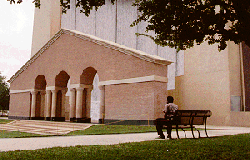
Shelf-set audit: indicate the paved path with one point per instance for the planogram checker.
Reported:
(9, 144)
(43, 127)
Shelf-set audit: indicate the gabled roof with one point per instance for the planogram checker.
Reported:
(108, 44)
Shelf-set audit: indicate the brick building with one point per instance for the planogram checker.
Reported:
(136, 73)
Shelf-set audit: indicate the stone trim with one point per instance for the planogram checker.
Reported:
(108, 44)
(33, 58)
(103, 83)
(21, 91)
(135, 80)
(80, 86)
(24, 91)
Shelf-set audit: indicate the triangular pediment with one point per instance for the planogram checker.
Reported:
(107, 44)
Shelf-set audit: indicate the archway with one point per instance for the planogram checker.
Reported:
(61, 82)
(37, 112)
(86, 80)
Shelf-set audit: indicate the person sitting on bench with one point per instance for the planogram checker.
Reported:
(169, 111)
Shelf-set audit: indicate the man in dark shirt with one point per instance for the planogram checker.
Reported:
(169, 111)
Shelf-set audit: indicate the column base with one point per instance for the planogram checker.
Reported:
(101, 121)
(72, 119)
(83, 120)
(61, 119)
(36, 118)
(48, 119)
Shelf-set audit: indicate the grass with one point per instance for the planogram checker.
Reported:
(114, 129)
(4, 121)
(226, 147)
(93, 130)
(17, 134)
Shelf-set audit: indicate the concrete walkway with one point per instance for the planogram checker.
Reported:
(9, 144)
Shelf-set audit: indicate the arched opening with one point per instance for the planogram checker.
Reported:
(87, 95)
(61, 82)
(87, 76)
(39, 93)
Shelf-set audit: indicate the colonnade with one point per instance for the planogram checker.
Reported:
(49, 107)
(80, 103)
(34, 103)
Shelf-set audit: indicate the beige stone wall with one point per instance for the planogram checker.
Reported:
(240, 119)
(235, 69)
(138, 101)
(20, 104)
(206, 83)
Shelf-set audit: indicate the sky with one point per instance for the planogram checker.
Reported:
(16, 27)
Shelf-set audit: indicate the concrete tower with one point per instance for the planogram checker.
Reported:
(47, 22)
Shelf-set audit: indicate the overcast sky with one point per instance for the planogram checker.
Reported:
(16, 26)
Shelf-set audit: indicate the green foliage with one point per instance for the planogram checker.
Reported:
(182, 23)
(4, 94)
(226, 147)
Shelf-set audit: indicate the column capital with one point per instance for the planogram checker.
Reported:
(48, 91)
(72, 89)
(79, 88)
(33, 92)
(54, 91)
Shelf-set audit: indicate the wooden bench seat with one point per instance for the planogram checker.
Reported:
(188, 118)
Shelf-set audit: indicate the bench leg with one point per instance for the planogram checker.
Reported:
(206, 127)
(192, 129)
(198, 132)
(177, 132)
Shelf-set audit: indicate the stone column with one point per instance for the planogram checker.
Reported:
(33, 104)
(102, 104)
(48, 105)
(88, 103)
(63, 102)
(79, 95)
(42, 104)
(72, 114)
(53, 105)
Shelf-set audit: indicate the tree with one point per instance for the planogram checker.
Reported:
(4, 94)
(182, 23)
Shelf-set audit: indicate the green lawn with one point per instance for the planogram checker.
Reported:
(114, 129)
(226, 147)
(4, 121)
(93, 130)
(17, 134)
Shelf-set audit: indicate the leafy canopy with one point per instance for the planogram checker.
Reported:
(182, 23)
(4, 94)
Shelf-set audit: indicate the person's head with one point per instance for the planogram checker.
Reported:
(170, 99)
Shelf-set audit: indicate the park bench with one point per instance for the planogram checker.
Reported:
(188, 118)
